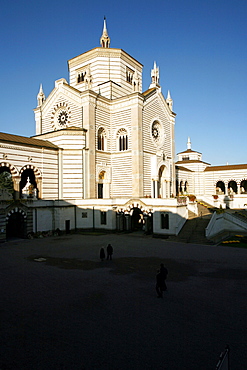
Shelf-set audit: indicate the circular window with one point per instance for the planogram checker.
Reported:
(62, 117)
(156, 131)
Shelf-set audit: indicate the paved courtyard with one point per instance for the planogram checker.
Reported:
(62, 308)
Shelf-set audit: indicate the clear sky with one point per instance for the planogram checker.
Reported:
(200, 47)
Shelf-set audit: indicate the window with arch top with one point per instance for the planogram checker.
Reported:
(122, 137)
(101, 139)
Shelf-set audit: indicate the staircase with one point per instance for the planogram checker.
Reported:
(193, 230)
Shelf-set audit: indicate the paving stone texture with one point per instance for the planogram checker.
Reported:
(62, 308)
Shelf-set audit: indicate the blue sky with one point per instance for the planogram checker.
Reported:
(199, 46)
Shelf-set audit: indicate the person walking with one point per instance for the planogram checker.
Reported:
(159, 284)
(102, 254)
(161, 280)
(109, 250)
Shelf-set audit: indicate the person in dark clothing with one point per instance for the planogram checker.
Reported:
(161, 280)
(159, 284)
(109, 250)
(102, 254)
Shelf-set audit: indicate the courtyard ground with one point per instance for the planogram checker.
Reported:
(62, 308)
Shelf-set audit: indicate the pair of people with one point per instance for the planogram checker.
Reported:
(109, 251)
(161, 280)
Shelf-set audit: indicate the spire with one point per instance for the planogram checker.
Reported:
(40, 96)
(105, 39)
(169, 100)
(188, 144)
(155, 75)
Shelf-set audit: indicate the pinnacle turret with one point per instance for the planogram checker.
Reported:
(169, 100)
(155, 75)
(40, 96)
(105, 39)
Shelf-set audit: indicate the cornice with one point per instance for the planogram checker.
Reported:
(26, 148)
(63, 132)
(102, 52)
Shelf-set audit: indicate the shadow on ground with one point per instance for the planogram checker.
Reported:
(145, 267)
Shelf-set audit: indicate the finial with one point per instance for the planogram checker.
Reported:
(188, 143)
(105, 39)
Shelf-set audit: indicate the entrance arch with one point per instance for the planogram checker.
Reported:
(137, 219)
(135, 216)
(16, 226)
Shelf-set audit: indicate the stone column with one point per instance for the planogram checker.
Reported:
(89, 125)
(137, 147)
(16, 184)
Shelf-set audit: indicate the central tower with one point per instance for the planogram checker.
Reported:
(107, 71)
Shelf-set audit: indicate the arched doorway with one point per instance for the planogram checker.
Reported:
(101, 185)
(137, 219)
(16, 225)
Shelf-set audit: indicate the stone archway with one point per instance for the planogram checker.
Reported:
(16, 224)
(220, 187)
(101, 184)
(137, 219)
(30, 174)
(232, 187)
(163, 182)
(7, 167)
(243, 186)
(135, 216)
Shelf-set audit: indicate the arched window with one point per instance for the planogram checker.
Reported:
(232, 187)
(122, 137)
(6, 182)
(181, 187)
(243, 186)
(186, 187)
(220, 187)
(28, 185)
(101, 139)
(80, 77)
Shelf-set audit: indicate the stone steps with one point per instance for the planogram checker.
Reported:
(193, 230)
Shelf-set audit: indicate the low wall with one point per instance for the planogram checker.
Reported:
(225, 222)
